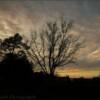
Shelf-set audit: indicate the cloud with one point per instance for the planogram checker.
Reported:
(91, 61)
(94, 56)
(25, 16)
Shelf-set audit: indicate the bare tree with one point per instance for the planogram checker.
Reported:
(54, 47)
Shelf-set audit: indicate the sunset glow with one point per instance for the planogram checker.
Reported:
(73, 73)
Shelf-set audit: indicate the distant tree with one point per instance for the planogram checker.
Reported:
(10, 44)
(53, 47)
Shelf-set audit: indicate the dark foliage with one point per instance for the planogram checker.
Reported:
(14, 67)
(10, 44)
(16, 74)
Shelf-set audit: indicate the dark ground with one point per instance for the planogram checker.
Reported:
(45, 87)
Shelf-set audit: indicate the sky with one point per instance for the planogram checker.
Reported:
(25, 16)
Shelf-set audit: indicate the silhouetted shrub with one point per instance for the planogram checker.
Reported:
(14, 67)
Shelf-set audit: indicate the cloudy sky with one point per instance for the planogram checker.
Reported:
(25, 16)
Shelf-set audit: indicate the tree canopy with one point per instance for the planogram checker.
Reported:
(54, 47)
(10, 44)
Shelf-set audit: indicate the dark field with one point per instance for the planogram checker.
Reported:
(50, 88)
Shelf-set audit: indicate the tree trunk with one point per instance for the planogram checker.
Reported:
(52, 70)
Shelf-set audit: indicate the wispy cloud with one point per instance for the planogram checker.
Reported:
(25, 16)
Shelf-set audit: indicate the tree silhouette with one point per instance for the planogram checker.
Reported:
(54, 47)
(15, 64)
(16, 74)
(14, 67)
(9, 45)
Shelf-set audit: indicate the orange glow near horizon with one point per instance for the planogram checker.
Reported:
(76, 73)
